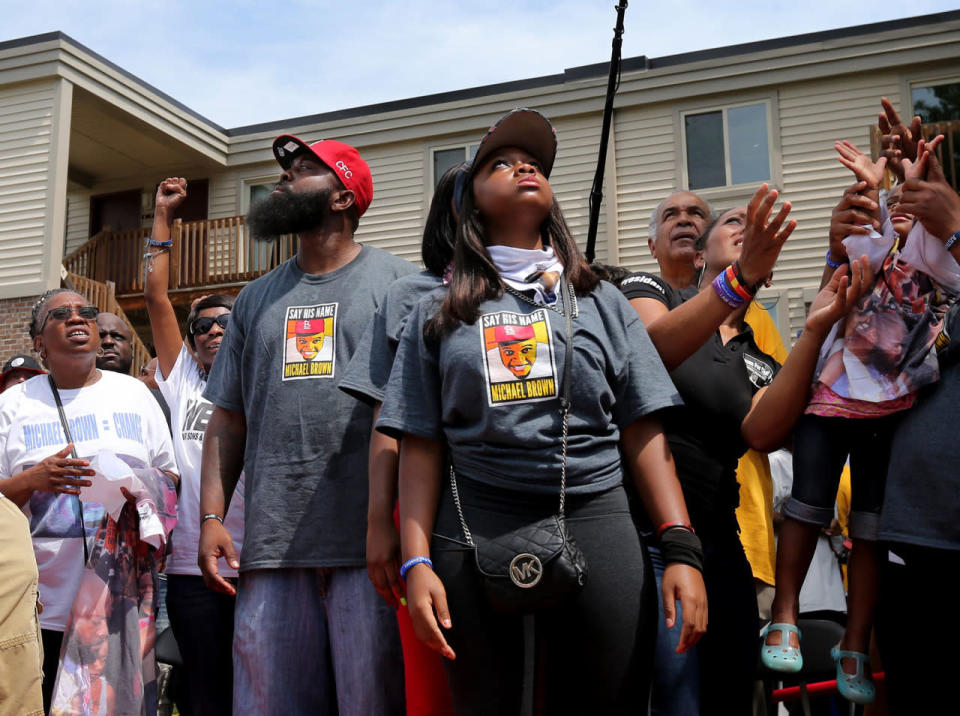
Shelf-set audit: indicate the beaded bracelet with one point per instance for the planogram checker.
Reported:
(151, 242)
(952, 241)
(726, 292)
(834, 264)
(406, 566)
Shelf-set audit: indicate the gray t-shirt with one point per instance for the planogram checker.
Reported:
(491, 390)
(923, 479)
(291, 335)
(367, 375)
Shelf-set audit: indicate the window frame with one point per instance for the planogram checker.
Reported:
(729, 191)
(247, 184)
(951, 76)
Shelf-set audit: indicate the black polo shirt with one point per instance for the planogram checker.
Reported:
(717, 384)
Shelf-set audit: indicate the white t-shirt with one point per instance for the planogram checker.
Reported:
(117, 413)
(189, 416)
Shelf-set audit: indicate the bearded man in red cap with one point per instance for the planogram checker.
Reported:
(311, 635)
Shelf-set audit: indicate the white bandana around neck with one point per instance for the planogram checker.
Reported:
(536, 270)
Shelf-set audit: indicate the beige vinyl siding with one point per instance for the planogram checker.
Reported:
(572, 176)
(27, 113)
(813, 115)
(78, 220)
(394, 221)
(646, 173)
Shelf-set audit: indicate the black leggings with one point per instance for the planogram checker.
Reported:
(596, 649)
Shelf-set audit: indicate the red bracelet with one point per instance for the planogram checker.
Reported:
(669, 525)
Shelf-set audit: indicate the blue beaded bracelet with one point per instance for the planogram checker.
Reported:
(833, 264)
(952, 241)
(151, 242)
(406, 566)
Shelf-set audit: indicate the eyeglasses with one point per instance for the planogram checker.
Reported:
(63, 313)
(205, 323)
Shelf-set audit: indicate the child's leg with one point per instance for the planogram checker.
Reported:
(819, 452)
(869, 458)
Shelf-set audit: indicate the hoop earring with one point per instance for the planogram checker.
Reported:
(703, 270)
(100, 352)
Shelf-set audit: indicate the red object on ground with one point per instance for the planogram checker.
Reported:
(426, 682)
(792, 693)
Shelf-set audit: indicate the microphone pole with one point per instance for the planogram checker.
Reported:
(613, 82)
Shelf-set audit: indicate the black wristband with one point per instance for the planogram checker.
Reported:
(683, 546)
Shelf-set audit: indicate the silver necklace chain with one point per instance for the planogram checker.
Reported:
(556, 307)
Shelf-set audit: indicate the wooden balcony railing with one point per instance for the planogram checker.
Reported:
(205, 254)
(101, 295)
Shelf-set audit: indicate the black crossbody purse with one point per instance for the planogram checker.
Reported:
(538, 564)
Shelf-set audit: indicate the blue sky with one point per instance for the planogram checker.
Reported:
(245, 62)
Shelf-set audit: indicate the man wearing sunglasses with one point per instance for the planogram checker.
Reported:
(202, 619)
(312, 634)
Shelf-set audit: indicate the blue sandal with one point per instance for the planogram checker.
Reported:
(856, 687)
(782, 656)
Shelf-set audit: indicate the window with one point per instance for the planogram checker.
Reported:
(936, 101)
(726, 146)
(448, 157)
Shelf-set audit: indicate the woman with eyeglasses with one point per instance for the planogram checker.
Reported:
(43, 474)
(201, 615)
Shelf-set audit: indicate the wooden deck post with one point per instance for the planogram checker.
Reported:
(176, 234)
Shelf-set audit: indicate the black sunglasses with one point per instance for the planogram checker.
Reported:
(63, 313)
(205, 323)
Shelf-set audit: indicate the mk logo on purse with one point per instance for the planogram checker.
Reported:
(525, 570)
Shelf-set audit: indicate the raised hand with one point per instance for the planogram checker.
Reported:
(899, 140)
(839, 296)
(170, 194)
(932, 200)
(763, 237)
(864, 168)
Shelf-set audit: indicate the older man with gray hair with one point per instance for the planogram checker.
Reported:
(675, 224)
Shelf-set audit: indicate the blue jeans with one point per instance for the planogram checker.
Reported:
(202, 622)
(716, 676)
(307, 641)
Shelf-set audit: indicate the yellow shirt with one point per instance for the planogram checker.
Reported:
(755, 513)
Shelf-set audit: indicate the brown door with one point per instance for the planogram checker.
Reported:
(120, 211)
(194, 207)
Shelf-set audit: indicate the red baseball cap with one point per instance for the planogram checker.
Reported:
(308, 328)
(342, 159)
(513, 334)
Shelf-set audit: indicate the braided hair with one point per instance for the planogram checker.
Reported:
(36, 314)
